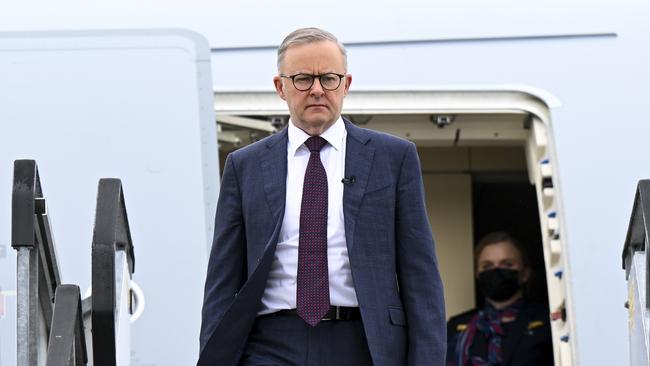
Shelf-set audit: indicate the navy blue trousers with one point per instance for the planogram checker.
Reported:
(286, 340)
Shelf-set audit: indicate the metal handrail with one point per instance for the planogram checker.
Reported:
(67, 345)
(111, 233)
(37, 267)
(638, 232)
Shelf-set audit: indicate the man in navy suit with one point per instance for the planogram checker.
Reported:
(322, 252)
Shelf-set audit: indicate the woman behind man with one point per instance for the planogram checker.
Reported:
(507, 330)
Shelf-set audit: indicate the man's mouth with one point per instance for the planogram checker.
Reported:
(317, 106)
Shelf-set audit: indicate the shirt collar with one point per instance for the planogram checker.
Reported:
(334, 135)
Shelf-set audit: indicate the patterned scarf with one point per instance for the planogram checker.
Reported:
(488, 322)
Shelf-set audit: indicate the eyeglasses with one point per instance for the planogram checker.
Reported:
(303, 82)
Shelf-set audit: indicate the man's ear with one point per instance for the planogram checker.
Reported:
(348, 82)
(279, 87)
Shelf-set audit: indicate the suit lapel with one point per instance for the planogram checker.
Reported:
(273, 164)
(358, 161)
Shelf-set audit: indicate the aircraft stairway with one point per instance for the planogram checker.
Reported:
(54, 326)
(636, 263)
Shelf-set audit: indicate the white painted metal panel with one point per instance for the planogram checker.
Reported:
(136, 105)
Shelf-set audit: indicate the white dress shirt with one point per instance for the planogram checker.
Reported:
(280, 292)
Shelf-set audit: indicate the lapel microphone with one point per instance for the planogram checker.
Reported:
(349, 180)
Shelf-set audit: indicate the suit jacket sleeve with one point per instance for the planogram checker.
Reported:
(227, 262)
(419, 282)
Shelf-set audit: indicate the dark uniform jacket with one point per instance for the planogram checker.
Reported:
(527, 340)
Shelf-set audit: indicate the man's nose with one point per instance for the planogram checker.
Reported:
(316, 88)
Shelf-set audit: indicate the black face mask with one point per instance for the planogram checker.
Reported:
(499, 284)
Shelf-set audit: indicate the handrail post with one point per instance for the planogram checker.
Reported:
(67, 345)
(25, 188)
(636, 262)
(638, 234)
(37, 269)
(644, 196)
(111, 234)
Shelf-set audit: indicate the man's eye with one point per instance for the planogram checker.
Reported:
(328, 78)
(302, 79)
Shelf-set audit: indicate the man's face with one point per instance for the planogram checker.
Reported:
(316, 109)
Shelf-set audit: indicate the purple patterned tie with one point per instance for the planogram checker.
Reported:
(313, 290)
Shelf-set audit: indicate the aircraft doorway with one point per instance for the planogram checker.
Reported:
(488, 164)
(471, 191)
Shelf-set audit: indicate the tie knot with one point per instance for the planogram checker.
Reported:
(315, 143)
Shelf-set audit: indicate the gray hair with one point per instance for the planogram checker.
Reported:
(309, 35)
